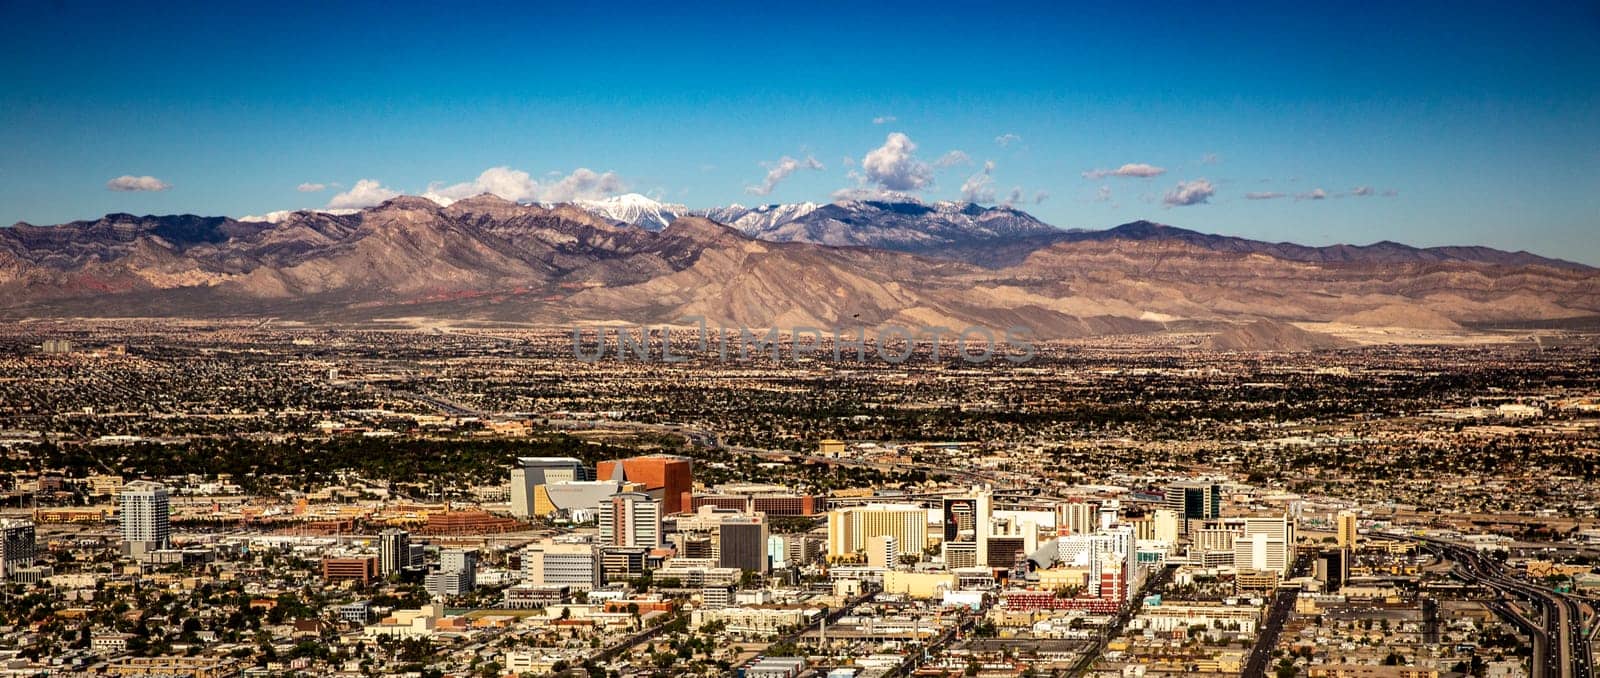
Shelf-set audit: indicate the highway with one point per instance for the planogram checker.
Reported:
(1560, 648)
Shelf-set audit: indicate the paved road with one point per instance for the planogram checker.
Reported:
(1267, 639)
(1559, 646)
(1277, 616)
(1156, 580)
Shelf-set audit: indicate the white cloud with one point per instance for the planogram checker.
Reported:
(780, 170)
(979, 187)
(1040, 197)
(1012, 198)
(128, 182)
(508, 183)
(309, 187)
(952, 159)
(1132, 169)
(1264, 195)
(519, 186)
(1189, 193)
(1007, 139)
(584, 184)
(894, 166)
(366, 193)
(1361, 191)
(1313, 194)
(883, 119)
(1102, 194)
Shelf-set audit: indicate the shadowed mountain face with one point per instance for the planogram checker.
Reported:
(489, 259)
(998, 237)
(903, 226)
(900, 226)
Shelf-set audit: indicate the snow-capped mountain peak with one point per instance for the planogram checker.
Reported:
(753, 221)
(633, 208)
(898, 224)
(279, 216)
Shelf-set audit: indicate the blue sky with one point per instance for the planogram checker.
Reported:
(1431, 123)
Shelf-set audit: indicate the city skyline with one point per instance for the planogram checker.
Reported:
(826, 340)
(1473, 126)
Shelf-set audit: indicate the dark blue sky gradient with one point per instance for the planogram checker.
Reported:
(1482, 118)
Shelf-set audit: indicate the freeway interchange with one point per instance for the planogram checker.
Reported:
(1561, 649)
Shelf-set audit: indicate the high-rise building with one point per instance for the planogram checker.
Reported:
(1212, 545)
(669, 479)
(551, 564)
(968, 521)
(1108, 513)
(1075, 517)
(1280, 532)
(801, 549)
(145, 513)
(742, 543)
(464, 561)
(882, 551)
(630, 519)
(1122, 544)
(725, 536)
(394, 551)
(1006, 551)
(960, 554)
(1194, 501)
(1256, 552)
(1165, 526)
(1348, 538)
(850, 528)
(457, 573)
(1332, 568)
(1110, 558)
(17, 546)
(776, 545)
(528, 473)
(1256, 543)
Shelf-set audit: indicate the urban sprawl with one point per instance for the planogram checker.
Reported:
(247, 499)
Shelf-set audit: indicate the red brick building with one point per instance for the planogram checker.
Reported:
(363, 570)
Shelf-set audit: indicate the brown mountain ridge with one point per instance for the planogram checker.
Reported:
(488, 259)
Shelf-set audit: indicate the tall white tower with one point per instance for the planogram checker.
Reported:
(145, 514)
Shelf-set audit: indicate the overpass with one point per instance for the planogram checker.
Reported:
(1560, 648)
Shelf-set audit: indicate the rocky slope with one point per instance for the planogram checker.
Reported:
(488, 259)
(1268, 335)
(905, 226)
(902, 226)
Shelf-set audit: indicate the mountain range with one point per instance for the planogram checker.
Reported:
(996, 236)
(485, 259)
